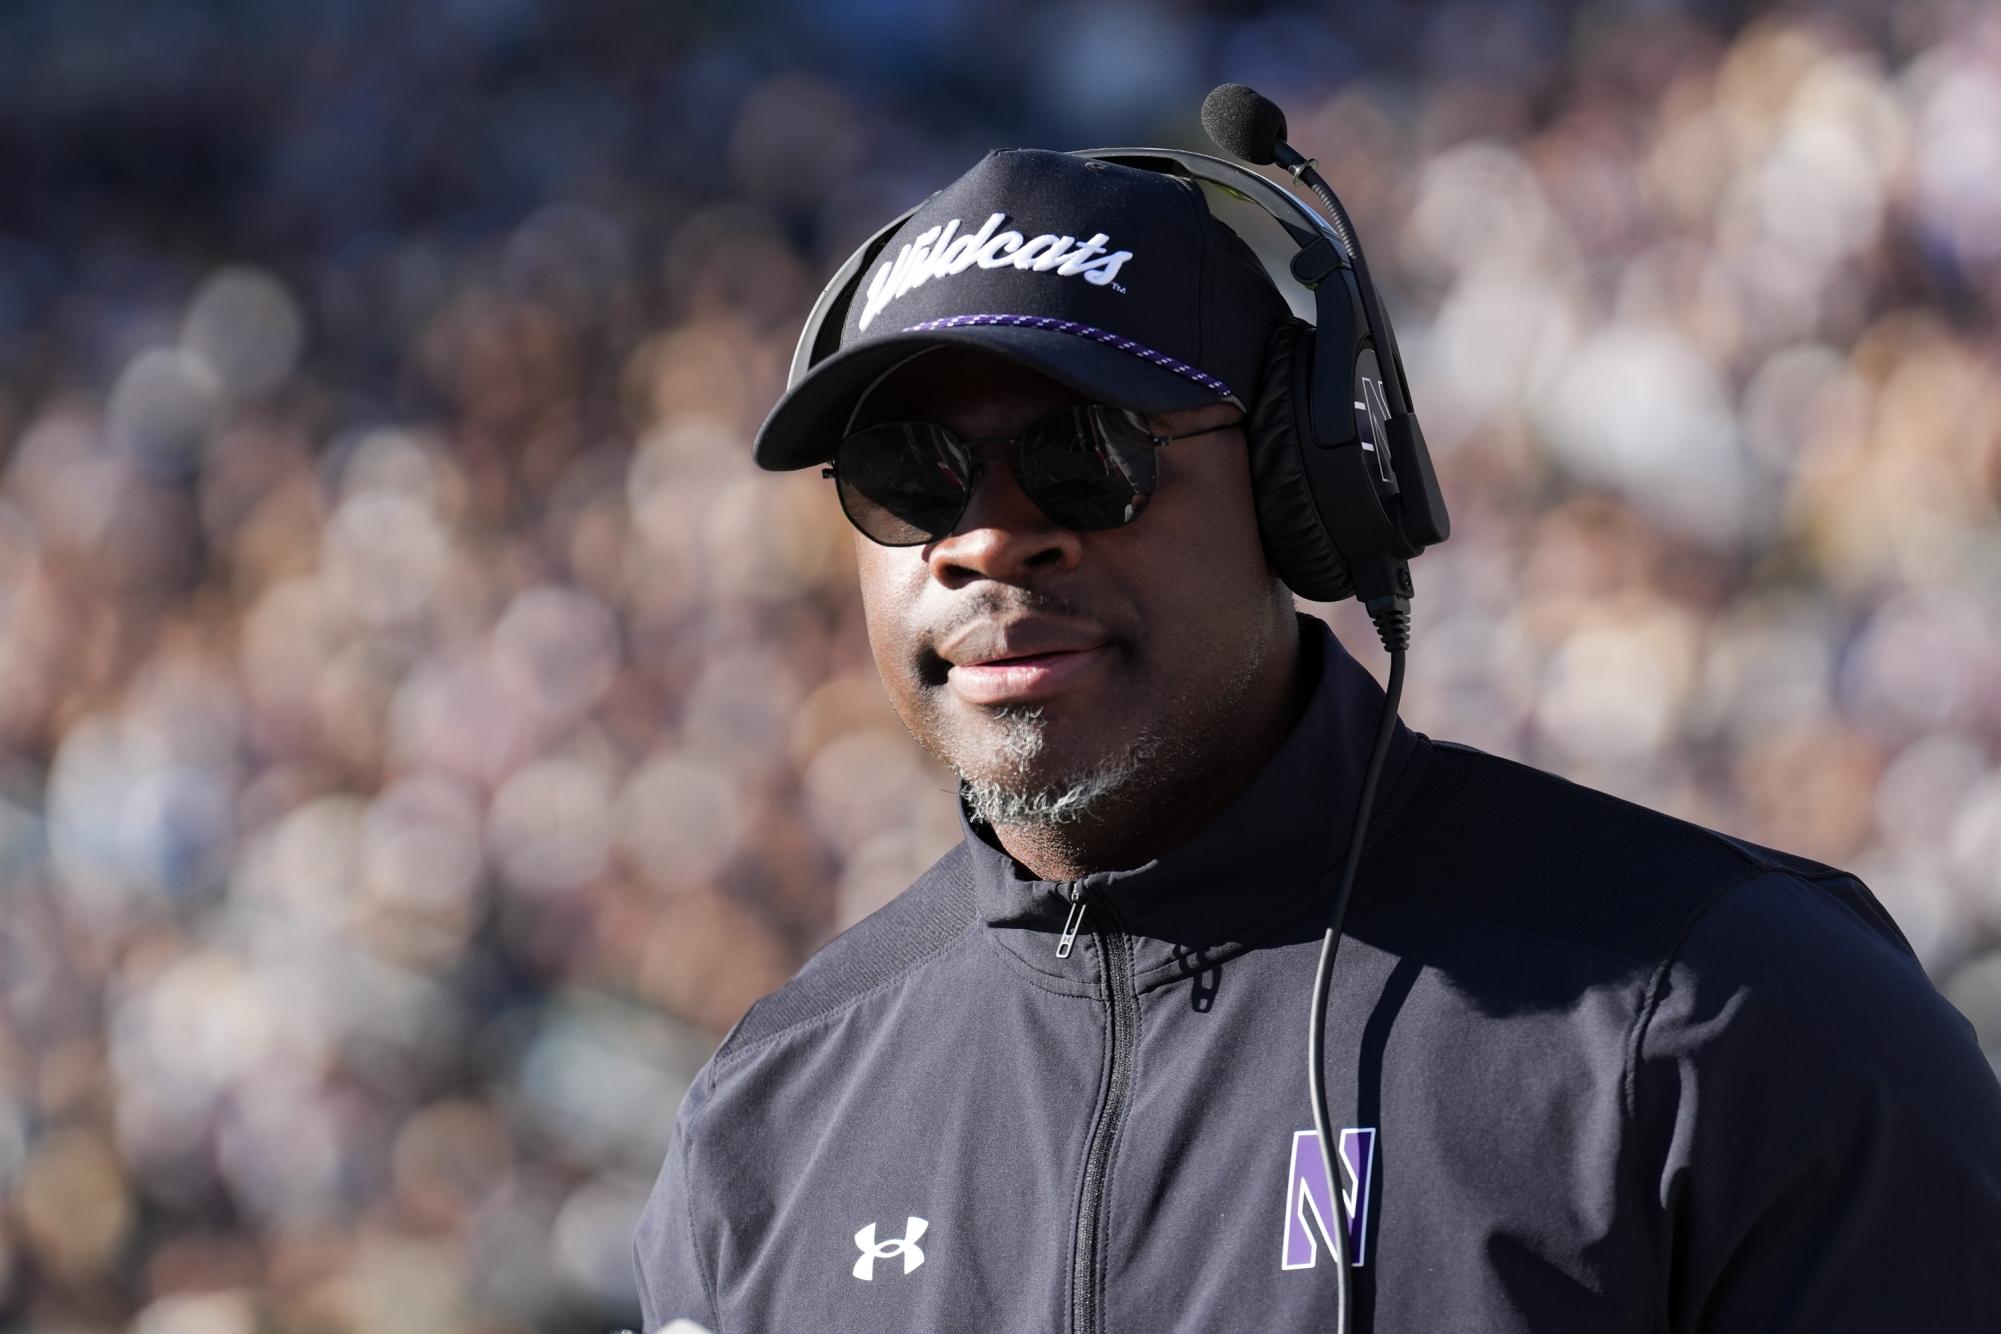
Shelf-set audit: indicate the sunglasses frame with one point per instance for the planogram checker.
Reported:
(977, 468)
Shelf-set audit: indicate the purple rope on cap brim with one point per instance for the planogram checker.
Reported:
(1119, 341)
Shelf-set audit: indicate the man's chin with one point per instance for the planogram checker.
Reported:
(1023, 780)
(1075, 802)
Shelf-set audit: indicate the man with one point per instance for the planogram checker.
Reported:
(1595, 1068)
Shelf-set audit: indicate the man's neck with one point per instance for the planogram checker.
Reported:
(1156, 817)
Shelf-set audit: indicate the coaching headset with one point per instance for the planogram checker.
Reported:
(1344, 485)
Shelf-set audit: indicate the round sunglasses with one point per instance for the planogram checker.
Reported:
(1087, 467)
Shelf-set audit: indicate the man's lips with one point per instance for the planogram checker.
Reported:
(1018, 662)
(1023, 680)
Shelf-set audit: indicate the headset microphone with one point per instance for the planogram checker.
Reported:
(1243, 123)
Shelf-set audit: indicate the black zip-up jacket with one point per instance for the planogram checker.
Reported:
(1597, 1069)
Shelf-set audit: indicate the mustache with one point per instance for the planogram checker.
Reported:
(992, 604)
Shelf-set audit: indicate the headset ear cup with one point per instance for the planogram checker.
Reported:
(1295, 534)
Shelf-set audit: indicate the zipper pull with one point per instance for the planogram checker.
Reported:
(1071, 923)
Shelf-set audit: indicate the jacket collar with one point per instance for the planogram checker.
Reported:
(1269, 859)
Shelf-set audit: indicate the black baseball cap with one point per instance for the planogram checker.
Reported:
(1113, 280)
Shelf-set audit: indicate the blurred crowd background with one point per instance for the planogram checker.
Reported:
(423, 733)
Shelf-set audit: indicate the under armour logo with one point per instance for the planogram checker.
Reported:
(905, 1246)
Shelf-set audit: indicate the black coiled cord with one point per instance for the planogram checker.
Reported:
(1392, 620)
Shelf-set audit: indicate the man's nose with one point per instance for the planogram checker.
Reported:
(1003, 535)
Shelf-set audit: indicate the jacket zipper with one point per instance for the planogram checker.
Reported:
(1071, 923)
(1115, 950)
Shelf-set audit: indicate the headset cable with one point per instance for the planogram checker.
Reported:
(1392, 620)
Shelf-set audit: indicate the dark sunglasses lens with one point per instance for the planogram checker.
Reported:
(1088, 467)
(903, 483)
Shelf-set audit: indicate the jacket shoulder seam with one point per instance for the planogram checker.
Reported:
(1656, 990)
(897, 978)
(1643, 1015)
(694, 1241)
(1657, 980)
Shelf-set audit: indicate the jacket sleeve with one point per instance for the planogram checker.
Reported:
(674, 1282)
(1824, 1134)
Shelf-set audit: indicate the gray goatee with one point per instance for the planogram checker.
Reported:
(1012, 800)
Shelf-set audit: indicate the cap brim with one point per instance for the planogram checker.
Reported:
(806, 425)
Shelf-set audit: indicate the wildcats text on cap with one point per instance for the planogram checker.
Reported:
(937, 253)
